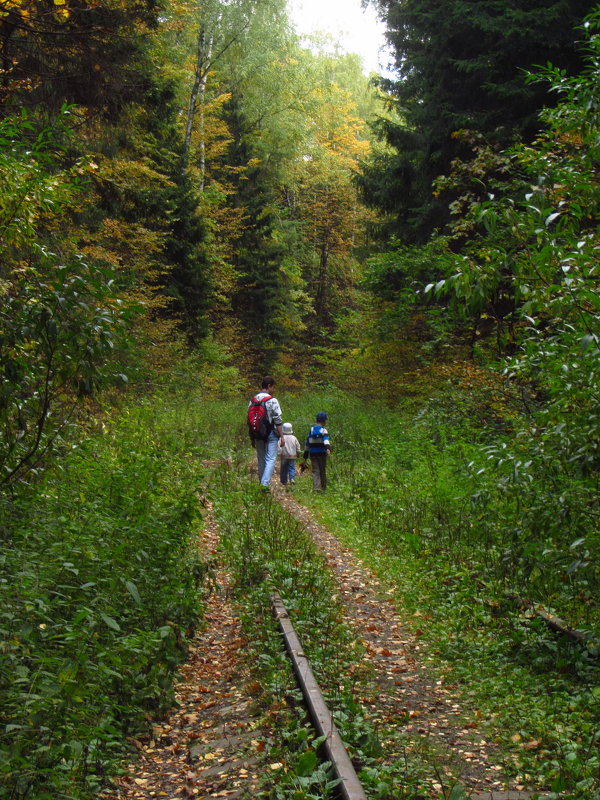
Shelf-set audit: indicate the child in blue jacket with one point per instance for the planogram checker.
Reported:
(318, 447)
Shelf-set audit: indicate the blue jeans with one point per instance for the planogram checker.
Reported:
(287, 471)
(266, 453)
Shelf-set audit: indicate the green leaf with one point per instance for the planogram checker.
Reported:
(133, 591)
(112, 623)
(306, 763)
(586, 342)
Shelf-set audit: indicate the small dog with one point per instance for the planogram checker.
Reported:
(303, 466)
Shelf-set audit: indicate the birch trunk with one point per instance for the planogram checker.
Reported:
(203, 56)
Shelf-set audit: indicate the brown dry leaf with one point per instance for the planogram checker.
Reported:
(532, 745)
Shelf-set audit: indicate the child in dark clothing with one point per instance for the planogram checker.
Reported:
(318, 447)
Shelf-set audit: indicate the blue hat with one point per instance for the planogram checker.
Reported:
(321, 416)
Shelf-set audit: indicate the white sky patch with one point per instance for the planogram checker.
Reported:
(356, 29)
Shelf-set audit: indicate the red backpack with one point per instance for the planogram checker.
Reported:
(259, 426)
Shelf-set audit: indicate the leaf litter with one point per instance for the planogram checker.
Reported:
(210, 745)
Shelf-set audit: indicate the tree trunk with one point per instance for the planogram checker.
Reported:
(198, 89)
(202, 144)
(321, 294)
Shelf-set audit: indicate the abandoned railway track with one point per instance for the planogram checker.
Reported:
(213, 744)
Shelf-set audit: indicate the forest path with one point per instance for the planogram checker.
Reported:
(210, 745)
(406, 697)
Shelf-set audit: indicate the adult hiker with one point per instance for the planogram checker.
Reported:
(265, 429)
(318, 447)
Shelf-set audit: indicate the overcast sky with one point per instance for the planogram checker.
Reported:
(357, 30)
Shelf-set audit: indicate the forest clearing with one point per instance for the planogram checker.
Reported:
(194, 196)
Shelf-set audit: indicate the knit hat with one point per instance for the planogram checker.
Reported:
(287, 427)
(321, 416)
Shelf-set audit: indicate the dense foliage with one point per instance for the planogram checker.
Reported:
(62, 325)
(87, 53)
(460, 65)
(101, 587)
(525, 288)
(539, 251)
(180, 198)
(405, 489)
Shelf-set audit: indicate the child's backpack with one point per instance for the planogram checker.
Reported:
(318, 439)
(315, 436)
(259, 426)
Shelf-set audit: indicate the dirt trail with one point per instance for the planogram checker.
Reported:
(404, 690)
(209, 746)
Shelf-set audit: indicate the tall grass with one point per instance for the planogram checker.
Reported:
(413, 491)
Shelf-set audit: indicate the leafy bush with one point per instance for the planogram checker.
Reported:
(533, 267)
(62, 321)
(99, 590)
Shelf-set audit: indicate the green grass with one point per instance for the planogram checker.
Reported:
(100, 584)
(401, 495)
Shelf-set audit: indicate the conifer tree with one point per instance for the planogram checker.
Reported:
(86, 53)
(460, 65)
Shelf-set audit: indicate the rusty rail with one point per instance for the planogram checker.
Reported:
(321, 717)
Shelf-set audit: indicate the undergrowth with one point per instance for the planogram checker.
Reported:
(99, 589)
(100, 578)
(405, 491)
